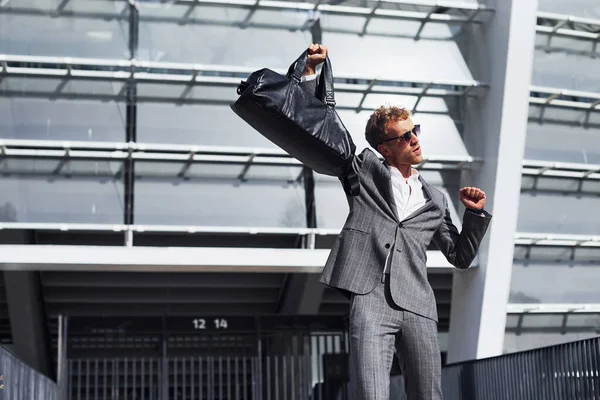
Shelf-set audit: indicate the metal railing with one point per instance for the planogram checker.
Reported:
(202, 377)
(269, 362)
(567, 371)
(315, 366)
(18, 381)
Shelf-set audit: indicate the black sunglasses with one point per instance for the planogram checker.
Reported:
(406, 135)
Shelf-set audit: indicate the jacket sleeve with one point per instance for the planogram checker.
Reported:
(310, 84)
(461, 248)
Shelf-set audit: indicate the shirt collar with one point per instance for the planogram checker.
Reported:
(394, 171)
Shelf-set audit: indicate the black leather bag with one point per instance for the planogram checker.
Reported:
(304, 125)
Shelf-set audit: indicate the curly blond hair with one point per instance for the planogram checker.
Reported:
(378, 121)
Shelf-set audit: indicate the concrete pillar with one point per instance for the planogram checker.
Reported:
(499, 52)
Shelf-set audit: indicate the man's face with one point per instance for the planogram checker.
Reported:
(399, 151)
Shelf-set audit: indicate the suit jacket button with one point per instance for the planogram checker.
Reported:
(400, 226)
(387, 245)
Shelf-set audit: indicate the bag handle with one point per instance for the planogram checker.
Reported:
(325, 90)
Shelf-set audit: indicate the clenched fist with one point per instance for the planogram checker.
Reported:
(472, 197)
(316, 55)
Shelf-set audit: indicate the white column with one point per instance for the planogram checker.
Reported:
(499, 52)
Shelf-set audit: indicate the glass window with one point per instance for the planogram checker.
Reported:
(210, 125)
(350, 102)
(213, 35)
(425, 55)
(551, 282)
(567, 117)
(565, 255)
(210, 35)
(560, 185)
(585, 320)
(556, 213)
(563, 46)
(88, 28)
(213, 195)
(517, 342)
(44, 119)
(38, 190)
(569, 69)
(579, 8)
(62, 89)
(562, 142)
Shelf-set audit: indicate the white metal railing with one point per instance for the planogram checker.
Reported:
(415, 10)
(561, 169)
(556, 97)
(213, 75)
(551, 239)
(551, 308)
(70, 150)
(568, 26)
(165, 228)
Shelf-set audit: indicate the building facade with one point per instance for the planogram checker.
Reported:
(130, 190)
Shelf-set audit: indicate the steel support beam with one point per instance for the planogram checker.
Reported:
(27, 313)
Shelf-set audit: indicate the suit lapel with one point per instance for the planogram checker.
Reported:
(386, 182)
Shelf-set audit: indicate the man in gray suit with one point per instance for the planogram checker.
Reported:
(379, 259)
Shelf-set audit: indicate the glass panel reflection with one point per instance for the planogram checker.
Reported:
(426, 55)
(564, 45)
(214, 195)
(81, 120)
(555, 213)
(562, 142)
(556, 69)
(579, 8)
(517, 342)
(220, 35)
(547, 282)
(38, 190)
(210, 125)
(88, 28)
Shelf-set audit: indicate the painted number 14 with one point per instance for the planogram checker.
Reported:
(200, 323)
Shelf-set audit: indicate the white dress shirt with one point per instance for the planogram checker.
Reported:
(409, 196)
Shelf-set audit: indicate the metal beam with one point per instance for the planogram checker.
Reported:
(561, 170)
(370, 12)
(556, 240)
(565, 98)
(186, 154)
(553, 308)
(467, 10)
(567, 26)
(172, 259)
(211, 75)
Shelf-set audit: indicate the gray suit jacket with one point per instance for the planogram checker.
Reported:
(357, 259)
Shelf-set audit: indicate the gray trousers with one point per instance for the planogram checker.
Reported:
(377, 328)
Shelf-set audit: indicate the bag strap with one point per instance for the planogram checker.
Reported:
(325, 91)
(297, 68)
(351, 181)
(325, 88)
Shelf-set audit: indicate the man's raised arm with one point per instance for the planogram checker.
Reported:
(317, 54)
